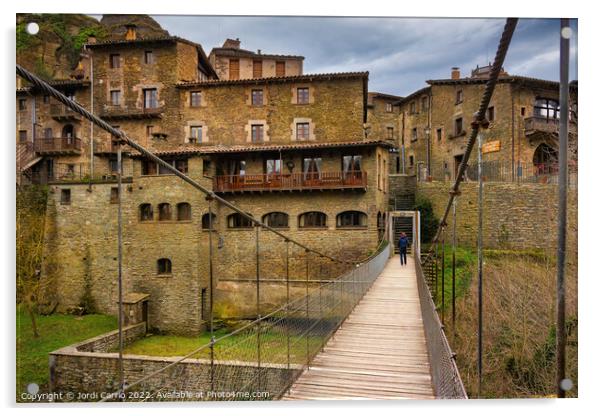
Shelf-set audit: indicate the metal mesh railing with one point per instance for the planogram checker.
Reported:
(261, 360)
(444, 372)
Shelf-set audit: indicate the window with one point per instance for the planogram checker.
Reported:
(22, 104)
(389, 107)
(256, 133)
(273, 166)
(149, 167)
(164, 212)
(22, 136)
(352, 164)
(195, 98)
(312, 167)
(184, 211)
(234, 69)
(546, 108)
(113, 166)
(303, 95)
(276, 219)
(48, 133)
(181, 165)
(196, 134)
(149, 58)
(425, 103)
(414, 134)
(439, 134)
(458, 126)
(115, 61)
(523, 111)
(280, 69)
(164, 266)
(237, 220)
(114, 196)
(459, 96)
(206, 167)
(257, 69)
(411, 160)
(65, 196)
(302, 131)
(390, 132)
(257, 97)
(149, 131)
(115, 97)
(46, 99)
(313, 219)
(208, 221)
(150, 98)
(413, 107)
(237, 167)
(146, 212)
(351, 219)
(491, 114)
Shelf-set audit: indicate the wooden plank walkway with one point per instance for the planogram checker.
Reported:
(380, 350)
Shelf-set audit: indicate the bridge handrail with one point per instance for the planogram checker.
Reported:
(447, 382)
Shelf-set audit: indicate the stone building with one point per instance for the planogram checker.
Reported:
(521, 142)
(384, 124)
(290, 150)
(231, 62)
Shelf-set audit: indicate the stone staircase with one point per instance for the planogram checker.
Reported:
(403, 202)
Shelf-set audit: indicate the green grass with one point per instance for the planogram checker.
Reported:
(241, 346)
(466, 260)
(56, 331)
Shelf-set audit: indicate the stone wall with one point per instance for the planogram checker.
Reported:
(514, 215)
(89, 376)
(110, 341)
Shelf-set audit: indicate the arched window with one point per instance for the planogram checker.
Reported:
(352, 219)
(184, 211)
(164, 212)
(238, 221)
(146, 212)
(276, 219)
(164, 266)
(208, 223)
(312, 219)
(545, 159)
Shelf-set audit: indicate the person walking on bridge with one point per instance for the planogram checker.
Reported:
(403, 248)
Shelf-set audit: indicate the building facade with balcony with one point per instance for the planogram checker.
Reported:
(520, 143)
(289, 149)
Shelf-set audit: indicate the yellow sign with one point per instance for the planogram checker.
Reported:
(492, 146)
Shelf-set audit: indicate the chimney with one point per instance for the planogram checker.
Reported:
(258, 51)
(91, 39)
(130, 33)
(455, 73)
(232, 43)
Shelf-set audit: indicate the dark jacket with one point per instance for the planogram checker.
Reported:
(404, 242)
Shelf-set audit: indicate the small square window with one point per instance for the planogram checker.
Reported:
(22, 104)
(257, 133)
(523, 111)
(150, 98)
(196, 134)
(424, 103)
(413, 107)
(149, 58)
(115, 61)
(491, 114)
(65, 196)
(22, 136)
(280, 68)
(149, 131)
(114, 195)
(458, 126)
(459, 96)
(195, 98)
(303, 95)
(257, 97)
(411, 160)
(302, 131)
(389, 107)
(257, 69)
(206, 167)
(115, 97)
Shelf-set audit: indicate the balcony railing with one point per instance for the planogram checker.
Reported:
(117, 112)
(545, 125)
(61, 113)
(291, 182)
(58, 145)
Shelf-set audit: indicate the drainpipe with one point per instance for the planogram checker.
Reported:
(91, 58)
(403, 146)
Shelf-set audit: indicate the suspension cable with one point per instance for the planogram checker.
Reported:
(125, 139)
(500, 55)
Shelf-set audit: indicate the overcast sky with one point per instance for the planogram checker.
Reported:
(399, 53)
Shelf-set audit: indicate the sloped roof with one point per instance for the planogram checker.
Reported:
(288, 78)
(244, 53)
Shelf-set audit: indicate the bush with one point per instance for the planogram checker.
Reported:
(428, 220)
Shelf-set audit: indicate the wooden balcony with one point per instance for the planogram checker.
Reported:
(58, 145)
(291, 182)
(61, 113)
(117, 112)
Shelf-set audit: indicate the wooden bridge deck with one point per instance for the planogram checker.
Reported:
(380, 350)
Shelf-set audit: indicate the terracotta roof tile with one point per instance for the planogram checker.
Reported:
(251, 54)
(290, 78)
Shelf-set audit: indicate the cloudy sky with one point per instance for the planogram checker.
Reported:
(400, 53)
